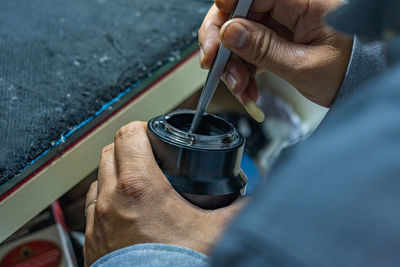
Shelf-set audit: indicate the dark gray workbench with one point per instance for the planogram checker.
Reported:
(64, 65)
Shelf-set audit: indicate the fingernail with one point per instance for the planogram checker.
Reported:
(230, 82)
(235, 35)
(201, 57)
(254, 111)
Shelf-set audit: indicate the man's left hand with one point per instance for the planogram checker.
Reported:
(136, 204)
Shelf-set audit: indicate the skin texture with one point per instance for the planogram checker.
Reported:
(286, 37)
(136, 204)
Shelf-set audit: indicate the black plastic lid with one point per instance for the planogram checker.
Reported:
(213, 133)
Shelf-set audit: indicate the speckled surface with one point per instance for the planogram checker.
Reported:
(61, 61)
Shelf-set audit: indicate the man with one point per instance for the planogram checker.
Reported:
(332, 200)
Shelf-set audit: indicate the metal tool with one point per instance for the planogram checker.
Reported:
(217, 69)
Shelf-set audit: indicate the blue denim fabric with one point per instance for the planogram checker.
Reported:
(153, 255)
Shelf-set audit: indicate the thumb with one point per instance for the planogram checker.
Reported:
(262, 47)
(138, 172)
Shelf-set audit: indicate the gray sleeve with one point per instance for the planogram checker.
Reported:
(367, 61)
(153, 254)
(333, 199)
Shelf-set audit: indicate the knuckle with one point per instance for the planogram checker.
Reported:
(107, 148)
(261, 47)
(200, 32)
(207, 25)
(128, 130)
(202, 35)
(135, 187)
(222, 5)
(101, 210)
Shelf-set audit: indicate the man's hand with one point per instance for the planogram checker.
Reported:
(136, 204)
(286, 37)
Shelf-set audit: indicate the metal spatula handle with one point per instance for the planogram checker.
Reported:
(217, 69)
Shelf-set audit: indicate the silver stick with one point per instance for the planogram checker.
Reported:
(217, 69)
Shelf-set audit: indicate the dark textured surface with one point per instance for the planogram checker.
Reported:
(60, 61)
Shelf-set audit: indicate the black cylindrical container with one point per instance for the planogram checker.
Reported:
(203, 167)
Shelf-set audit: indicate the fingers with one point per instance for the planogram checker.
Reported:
(248, 102)
(260, 46)
(107, 174)
(90, 207)
(138, 171)
(132, 147)
(251, 41)
(289, 13)
(257, 5)
(239, 78)
(209, 35)
(236, 75)
(251, 92)
(89, 211)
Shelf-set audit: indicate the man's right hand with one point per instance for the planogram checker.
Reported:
(286, 37)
